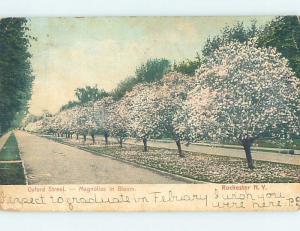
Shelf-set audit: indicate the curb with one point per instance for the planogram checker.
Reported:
(25, 173)
(23, 165)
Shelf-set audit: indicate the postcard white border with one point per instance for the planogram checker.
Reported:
(148, 221)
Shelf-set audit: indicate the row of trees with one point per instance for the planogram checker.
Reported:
(16, 77)
(15, 71)
(240, 92)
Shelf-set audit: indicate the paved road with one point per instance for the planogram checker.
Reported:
(48, 162)
(257, 155)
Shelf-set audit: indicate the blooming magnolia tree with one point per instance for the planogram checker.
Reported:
(195, 120)
(65, 123)
(34, 126)
(172, 94)
(68, 122)
(73, 116)
(92, 123)
(143, 112)
(41, 126)
(102, 112)
(83, 121)
(255, 94)
(117, 120)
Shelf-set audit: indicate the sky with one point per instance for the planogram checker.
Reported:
(77, 52)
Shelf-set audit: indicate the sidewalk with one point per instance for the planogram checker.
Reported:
(263, 154)
(254, 148)
(3, 139)
(226, 151)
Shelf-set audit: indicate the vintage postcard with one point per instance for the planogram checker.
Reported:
(150, 114)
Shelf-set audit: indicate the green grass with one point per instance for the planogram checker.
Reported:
(11, 173)
(277, 144)
(10, 150)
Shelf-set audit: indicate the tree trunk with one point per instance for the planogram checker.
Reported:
(247, 143)
(71, 135)
(106, 139)
(84, 138)
(121, 142)
(77, 136)
(106, 135)
(179, 148)
(145, 144)
(93, 138)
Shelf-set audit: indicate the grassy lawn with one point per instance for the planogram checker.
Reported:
(275, 144)
(10, 150)
(11, 173)
(203, 167)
